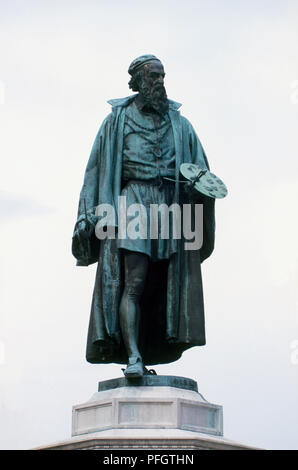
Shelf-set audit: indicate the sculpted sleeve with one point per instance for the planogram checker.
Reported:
(85, 245)
(198, 157)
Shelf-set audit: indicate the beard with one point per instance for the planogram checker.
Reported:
(154, 96)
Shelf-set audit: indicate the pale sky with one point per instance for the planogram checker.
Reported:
(234, 66)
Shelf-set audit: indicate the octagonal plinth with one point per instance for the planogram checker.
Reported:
(159, 402)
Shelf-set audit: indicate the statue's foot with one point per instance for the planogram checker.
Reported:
(134, 368)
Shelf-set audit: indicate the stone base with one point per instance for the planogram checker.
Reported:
(159, 402)
(146, 439)
(155, 412)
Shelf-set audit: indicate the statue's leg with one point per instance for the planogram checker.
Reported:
(136, 266)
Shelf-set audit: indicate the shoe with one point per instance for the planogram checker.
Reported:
(134, 368)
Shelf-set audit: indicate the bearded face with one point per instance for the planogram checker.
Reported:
(151, 87)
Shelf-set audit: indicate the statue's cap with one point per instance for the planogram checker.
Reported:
(140, 61)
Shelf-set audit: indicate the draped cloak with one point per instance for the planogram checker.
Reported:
(171, 307)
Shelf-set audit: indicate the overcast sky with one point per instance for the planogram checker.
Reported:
(234, 66)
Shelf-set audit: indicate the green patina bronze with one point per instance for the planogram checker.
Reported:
(183, 383)
(136, 146)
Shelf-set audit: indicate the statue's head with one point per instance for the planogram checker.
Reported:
(147, 77)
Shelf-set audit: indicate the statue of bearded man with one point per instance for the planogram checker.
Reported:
(147, 305)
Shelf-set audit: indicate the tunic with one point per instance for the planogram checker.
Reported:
(148, 156)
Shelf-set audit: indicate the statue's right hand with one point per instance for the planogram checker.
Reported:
(81, 230)
(81, 226)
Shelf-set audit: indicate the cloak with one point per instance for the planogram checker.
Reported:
(172, 307)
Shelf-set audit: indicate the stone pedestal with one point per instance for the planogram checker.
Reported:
(155, 412)
(155, 402)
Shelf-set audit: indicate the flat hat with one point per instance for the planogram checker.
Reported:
(140, 61)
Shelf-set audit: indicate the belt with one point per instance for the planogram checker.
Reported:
(161, 182)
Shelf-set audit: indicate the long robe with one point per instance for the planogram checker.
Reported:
(172, 307)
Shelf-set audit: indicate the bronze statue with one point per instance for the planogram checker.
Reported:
(147, 305)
